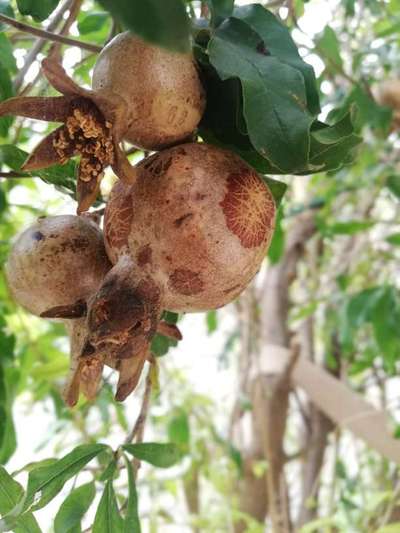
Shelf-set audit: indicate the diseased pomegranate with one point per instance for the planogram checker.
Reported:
(54, 267)
(188, 235)
(149, 96)
(162, 90)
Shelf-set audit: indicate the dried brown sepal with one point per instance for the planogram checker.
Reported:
(93, 127)
(169, 330)
(130, 371)
(76, 310)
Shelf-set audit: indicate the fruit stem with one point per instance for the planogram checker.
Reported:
(14, 175)
(49, 35)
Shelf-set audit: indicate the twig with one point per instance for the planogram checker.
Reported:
(55, 48)
(39, 44)
(13, 174)
(49, 35)
(138, 428)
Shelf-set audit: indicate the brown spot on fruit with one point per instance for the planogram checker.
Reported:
(186, 282)
(179, 221)
(144, 255)
(249, 208)
(117, 224)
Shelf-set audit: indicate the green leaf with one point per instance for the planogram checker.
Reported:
(155, 453)
(277, 246)
(7, 58)
(332, 146)
(38, 9)
(212, 321)
(5, 9)
(279, 43)
(132, 522)
(92, 22)
(348, 228)
(11, 493)
(220, 10)
(393, 184)
(108, 519)
(394, 239)
(277, 188)
(179, 429)
(6, 91)
(49, 480)
(272, 91)
(61, 176)
(164, 23)
(74, 508)
(328, 46)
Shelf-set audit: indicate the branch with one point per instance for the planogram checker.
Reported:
(138, 428)
(14, 175)
(39, 44)
(48, 35)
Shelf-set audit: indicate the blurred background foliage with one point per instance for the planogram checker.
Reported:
(335, 284)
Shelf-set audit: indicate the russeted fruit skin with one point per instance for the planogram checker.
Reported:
(162, 90)
(198, 222)
(58, 261)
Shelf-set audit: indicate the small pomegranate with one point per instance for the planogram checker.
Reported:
(54, 268)
(188, 235)
(147, 95)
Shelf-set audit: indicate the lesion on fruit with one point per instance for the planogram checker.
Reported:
(93, 126)
(249, 208)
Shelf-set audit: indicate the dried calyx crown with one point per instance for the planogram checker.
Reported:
(93, 126)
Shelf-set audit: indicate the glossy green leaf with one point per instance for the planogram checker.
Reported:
(108, 518)
(11, 493)
(38, 9)
(45, 482)
(272, 91)
(74, 508)
(92, 22)
(131, 522)
(279, 43)
(163, 23)
(155, 453)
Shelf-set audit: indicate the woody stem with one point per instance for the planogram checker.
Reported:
(48, 35)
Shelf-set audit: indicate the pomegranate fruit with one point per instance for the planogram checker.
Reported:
(53, 269)
(149, 96)
(188, 235)
(162, 90)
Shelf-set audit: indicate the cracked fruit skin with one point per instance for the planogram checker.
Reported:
(162, 90)
(58, 261)
(143, 94)
(188, 235)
